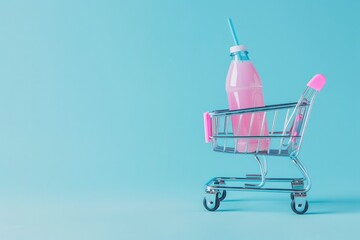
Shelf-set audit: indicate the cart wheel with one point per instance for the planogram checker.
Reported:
(211, 205)
(221, 195)
(292, 196)
(297, 209)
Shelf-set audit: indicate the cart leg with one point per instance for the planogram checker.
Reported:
(264, 167)
(304, 172)
(263, 172)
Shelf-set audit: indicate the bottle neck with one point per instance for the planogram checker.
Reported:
(240, 56)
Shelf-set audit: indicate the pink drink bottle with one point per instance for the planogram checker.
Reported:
(244, 90)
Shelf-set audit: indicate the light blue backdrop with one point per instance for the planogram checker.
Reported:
(101, 105)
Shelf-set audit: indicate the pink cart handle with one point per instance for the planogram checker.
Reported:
(317, 82)
(207, 127)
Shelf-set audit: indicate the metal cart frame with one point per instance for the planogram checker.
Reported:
(285, 139)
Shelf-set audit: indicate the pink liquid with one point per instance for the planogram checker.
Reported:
(244, 90)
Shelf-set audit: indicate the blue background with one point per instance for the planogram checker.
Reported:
(101, 104)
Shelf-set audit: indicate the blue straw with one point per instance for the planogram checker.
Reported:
(233, 31)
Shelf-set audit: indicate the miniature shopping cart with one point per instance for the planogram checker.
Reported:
(286, 124)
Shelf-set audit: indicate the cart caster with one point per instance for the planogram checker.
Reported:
(300, 207)
(211, 201)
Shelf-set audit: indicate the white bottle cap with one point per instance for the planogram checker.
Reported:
(237, 48)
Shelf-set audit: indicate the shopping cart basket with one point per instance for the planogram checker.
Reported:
(286, 123)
